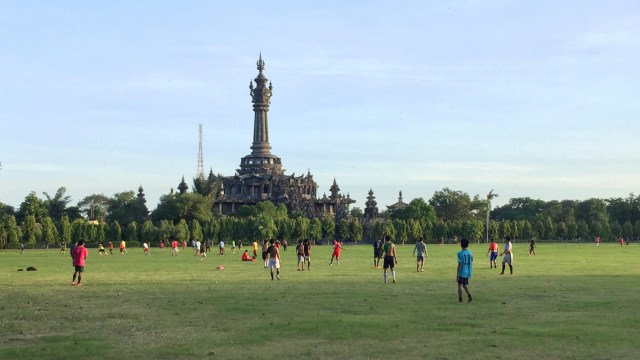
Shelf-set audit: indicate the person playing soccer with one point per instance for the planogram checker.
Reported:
(161, 245)
(233, 246)
(63, 247)
(265, 253)
(390, 259)
(507, 256)
(203, 250)
(110, 248)
(463, 274)
(493, 250)
(274, 259)
(174, 247)
(145, 249)
(421, 248)
(337, 248)
(101, 250)
(123, 247)
(80, 253)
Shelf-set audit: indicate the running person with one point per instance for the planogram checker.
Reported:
(463, 274)
(101, 249)
(532, 247)
(110, 248)
(421, 248)
(337, 247)
(390, 259)
(274, 259)
(174, 247)
(493, 250)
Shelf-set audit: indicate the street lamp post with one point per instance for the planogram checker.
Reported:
(490, 196)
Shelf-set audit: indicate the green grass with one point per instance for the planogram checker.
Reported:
(571, 301)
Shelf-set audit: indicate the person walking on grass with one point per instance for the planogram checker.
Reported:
(463, 274)
(306, 247)
(300, 256)
(493, 250)
(174, 247)
(532, 247)
(265, 253)
(203, 250)
(421, 248)
(390, 259)
(377, 254)
(79, 253)
(507, 256)
(274, 259)
(110, 248)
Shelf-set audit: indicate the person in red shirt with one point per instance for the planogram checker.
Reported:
(337, 247)
(246, 257)
(161, 245)
(110, 248)
(493, 250)
(80, 253)
(174, 247)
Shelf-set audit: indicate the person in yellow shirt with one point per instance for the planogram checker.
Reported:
(123, 247)
(255, 248)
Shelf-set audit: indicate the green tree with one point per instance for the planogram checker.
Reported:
(196, 231)
(65, 230)
(572, 229)
(148, 232)
(131, 232)
(115, 232)
(32, 205)
(78, 230)
(49, 231)
(328, 228)
(94, 206)
(315, 230)
(182, 231)
(356, 213)
(440, 230)
(343, 233)
(187, 206)
(355, 228)
(29, 231)
(583, 230)
(451, 205)
(11, 227)
(504, 230)
(57, 205)
(527, 230)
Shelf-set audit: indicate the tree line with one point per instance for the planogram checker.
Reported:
(186, 216)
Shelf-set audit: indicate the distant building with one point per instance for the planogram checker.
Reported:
(261, 176)
(399, 205)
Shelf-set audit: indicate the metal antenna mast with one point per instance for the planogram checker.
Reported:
(200, 160)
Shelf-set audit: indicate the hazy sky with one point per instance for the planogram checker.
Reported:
(530, 98)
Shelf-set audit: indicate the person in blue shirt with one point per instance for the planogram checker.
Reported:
(465, 261)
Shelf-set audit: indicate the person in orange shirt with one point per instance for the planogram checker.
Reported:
(174, 247)
(337, 247)
(493, 250)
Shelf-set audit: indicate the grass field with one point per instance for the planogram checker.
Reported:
(571, 301)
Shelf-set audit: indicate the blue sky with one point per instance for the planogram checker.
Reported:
(529, 98)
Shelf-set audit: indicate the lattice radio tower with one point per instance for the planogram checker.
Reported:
(200, 160)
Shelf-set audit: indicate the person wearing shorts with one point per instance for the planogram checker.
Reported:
(174, 247)
(265, 253)
(300, 255)
(377, 254)
(337, 247)
(79, 254)
(463, 274)
(507, 256)
(306, 245)
(493, 250)
(274, 259)
(101, 249)
(390, 259)
(421, 248)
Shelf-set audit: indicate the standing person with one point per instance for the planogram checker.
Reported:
(123, 247)
(300, 256)
(80, 253)
(597, 240)
(265, 253)
(306, 247)
(377, 254)
(145, 248)
(110, 248)
(161, 245)
(274, 259)
(233, 246)
(532, 247)
(184, 245)
(621, 241)
(203, 250)
(390, 259)
(63, 247)
(255, 249)
(174, 247)
(196, 247)
(463, 274)
(22, 247)
(507, 257)
(337, 247)
(284, 244)
(221, 247)
(239, 244)
(421, 248)
(101, 249)
(493, 250)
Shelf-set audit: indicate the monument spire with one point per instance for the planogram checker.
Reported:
(260, 160)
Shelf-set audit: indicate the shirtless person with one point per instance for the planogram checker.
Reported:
(306, 246)
(274, 259)
(265, 247)
(390, 259)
